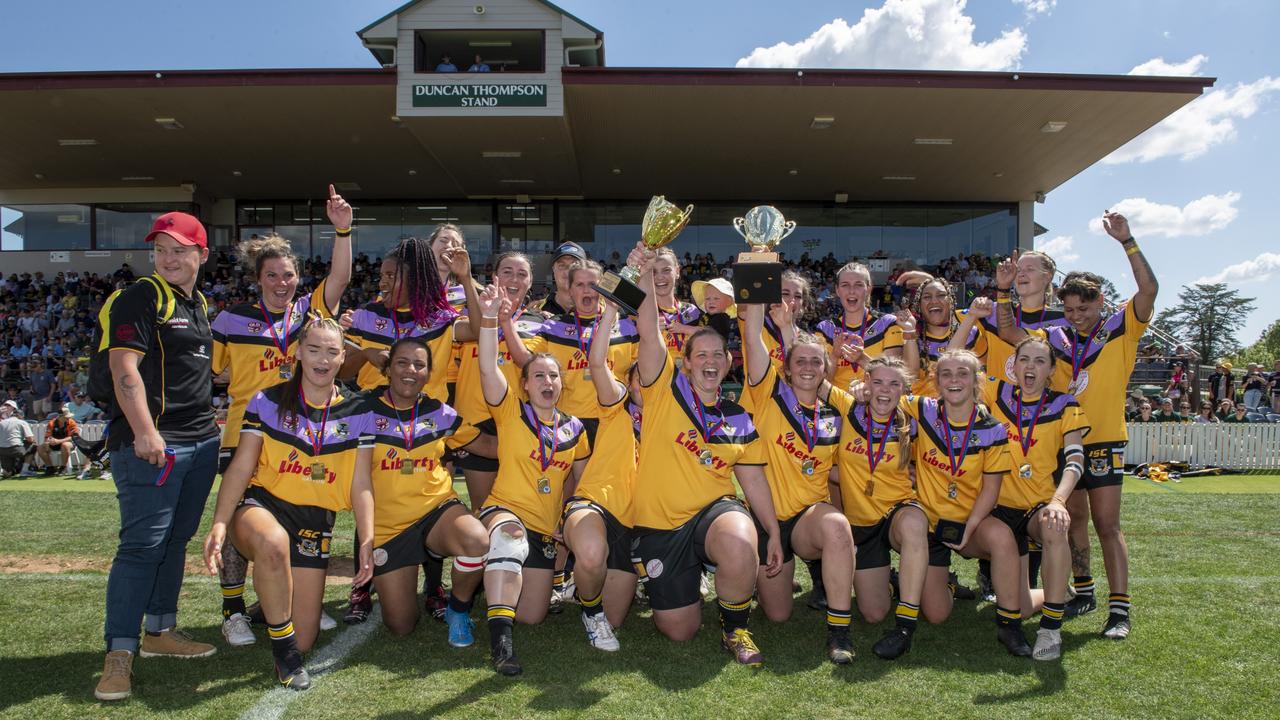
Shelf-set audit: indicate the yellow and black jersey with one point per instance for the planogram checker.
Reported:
(872, 476)
(976, 445)
(534, 459)
(468, 397)
(375, 326)
(259, 348)
(1039, 425)
(569, 338)
(684, 314)
(799, 442)
(409, 480)
(773, 341)
(299, 446)
(610, 476)
(999, 360)
(933, 344)
(878, 334)
(1095, 368)
(687, 451)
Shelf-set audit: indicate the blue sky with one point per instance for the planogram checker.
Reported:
(1198, 189)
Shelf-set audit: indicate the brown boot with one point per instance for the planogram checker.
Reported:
(115, 684)
(174, 643)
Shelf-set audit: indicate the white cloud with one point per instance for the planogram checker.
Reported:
(1060, 248)
(1037, 6)
(1256, 270)
(1205, 122)
(902, 34)
(1198, 217)
(1158, 66)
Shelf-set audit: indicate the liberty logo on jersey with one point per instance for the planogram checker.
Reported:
(291, 466)
(857, 447)
(688, 440)
(788, 444)
(392, 462)
(270, 363)
(931, 458)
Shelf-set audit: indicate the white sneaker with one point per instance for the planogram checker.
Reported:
(237, 631)
(326, 622)
(569, 593)
(600, 632)
(1048, 645)
(704, 586)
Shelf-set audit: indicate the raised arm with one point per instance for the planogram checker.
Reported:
(459, 261)
(1144, 301)
(339, 277)
(978, 309)
(910, 348)
(608, 390)
(492, 380)
(755, 354)
(653, 347)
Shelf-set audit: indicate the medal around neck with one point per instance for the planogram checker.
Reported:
(757, 276)
(662, 223)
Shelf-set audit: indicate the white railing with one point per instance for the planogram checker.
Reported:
(91, 431)
(1242, 446)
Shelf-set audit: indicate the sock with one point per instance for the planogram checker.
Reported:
(815, 573)
(984, 570)
(233, 599)
(734, 616)
(907, 615)
(1051, 616)
(557, 580)
(1119, 603)
(501, 619)
(432, 574)
(460, 606)
(1034, 558)
(1005, 616)
(1083, 585)
(838, 620)
(591, 606)
(282, 639)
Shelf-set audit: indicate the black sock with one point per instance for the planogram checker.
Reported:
(1051, 615)
(1005, 616)
(838, 620)
(233, 599)
(461, 606)
(282, 639)
(984, 569)
(591, 606)
(1034, 557)
(432, 573)
(815, 573)
(501, 618)
(907, 615)
(734, 616)
(1119, 603)
(1083, 585)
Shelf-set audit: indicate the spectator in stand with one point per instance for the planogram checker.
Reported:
(1184, 410)
(1239, 416)
(478, 66)
(15, 439)
(1144, 414)
(59, 437)
(1167, 413)
(1222, 386)
(1274, 384)
(1255, 387)
(1177, 385)
(1205, 414)
(1224, 409)
(82, 409)
(42, 386)
(446, 64)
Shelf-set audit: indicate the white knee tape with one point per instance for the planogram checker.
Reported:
(465, 564)
(506, 552)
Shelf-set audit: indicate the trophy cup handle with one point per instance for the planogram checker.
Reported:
(787, 228)
(688, 211)
(740, 224)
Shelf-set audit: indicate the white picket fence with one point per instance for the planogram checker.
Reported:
(1244, 446)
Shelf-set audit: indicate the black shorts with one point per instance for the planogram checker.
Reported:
(872, 541)
(224, 459)
(616, 534)
(470, 461)
(672, 560)
(1103, 466)
(542, 548)
(785, 528)
(409, 548)
(451, 392)
(310, 528)
(1017, 520)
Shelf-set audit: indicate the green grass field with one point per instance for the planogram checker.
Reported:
(1206, 621)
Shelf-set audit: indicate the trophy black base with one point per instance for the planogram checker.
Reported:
(758, 283)
(621, 292)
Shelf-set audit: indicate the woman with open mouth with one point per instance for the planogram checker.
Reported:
(540, 448)
(781, 322)
(255, 345)
(417, 514)
(933, 304)
(962, 457)
(679, 319)
(800, 433)
(1026, 281)
(693, 443)
(293, 470)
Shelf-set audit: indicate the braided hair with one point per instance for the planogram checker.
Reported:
(917, 300)
(416, 272)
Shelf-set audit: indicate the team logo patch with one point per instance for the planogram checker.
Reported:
(381, 423)
(653, 568)
(1100, 466)
(126, 333)
(255, 327)
(429, 424)
(343, 429)
(380, 324)
(1008, 370)
(379, 557)
(290, 421)
(293, 455)
(1102, 336)
(548, 547)
(391, 453)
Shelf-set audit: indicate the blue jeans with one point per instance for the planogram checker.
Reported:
(156, 522)
(1252, 398)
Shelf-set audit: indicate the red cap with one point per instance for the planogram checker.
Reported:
(181, 227)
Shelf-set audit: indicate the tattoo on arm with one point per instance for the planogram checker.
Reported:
(1142, 272)
(128, 387)
(1004, 314)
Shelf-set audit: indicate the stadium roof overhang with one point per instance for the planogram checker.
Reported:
(626, 133)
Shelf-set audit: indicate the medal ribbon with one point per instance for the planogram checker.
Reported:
(1077, 362)
(810, 437)
(776, 333)
(1025, 440)
(707, 430)
(873, 459)
(545, 458)
(968, 435)
(316, 440)
(408, 436)
(586, 347)
(281, 345)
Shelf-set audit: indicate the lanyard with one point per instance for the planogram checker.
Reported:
(873, 459)
(515, 315)
(1077, 362)
(964, 448)
(1025, 440)
(810, 435)
(408, 436)
(776, 333)
(281, 345)
(668, 318)
(707, 430)
(545, 458)
(317, 441)
(586, 347)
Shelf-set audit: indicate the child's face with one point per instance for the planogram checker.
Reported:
(715, 301)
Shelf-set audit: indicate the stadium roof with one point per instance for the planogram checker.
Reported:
(625, 133)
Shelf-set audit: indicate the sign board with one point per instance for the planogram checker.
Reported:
(480, 95)
(59, 256)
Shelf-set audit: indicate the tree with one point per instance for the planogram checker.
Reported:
(1110, 293)
(1207, 317)
(1266, 351)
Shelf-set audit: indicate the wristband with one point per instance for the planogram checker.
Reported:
(1003, 300)
(342, 232)
(1133, 250)
(905, 336)
(488, 323)
(1004, 291)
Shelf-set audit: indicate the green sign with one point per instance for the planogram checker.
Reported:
(480, 95)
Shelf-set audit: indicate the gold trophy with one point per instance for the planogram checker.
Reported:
(662, 222)
(757, 276)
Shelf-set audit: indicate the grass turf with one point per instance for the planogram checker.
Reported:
(1203, 557)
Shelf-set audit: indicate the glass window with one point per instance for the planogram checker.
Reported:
(950, 233)
(124, 226)
(860, 232)
(906, 234)
(995, 232)
(489, 50)
(45, 227)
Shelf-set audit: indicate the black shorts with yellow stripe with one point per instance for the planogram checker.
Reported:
(409, 548)
(310, 528)
(617, 535)
(1103, 466)
(542, 548)
(672, 561)
(785, 528)
(872, 542)
(1017, 519)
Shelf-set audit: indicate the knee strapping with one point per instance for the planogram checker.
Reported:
(507, 552)
(464, 564)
